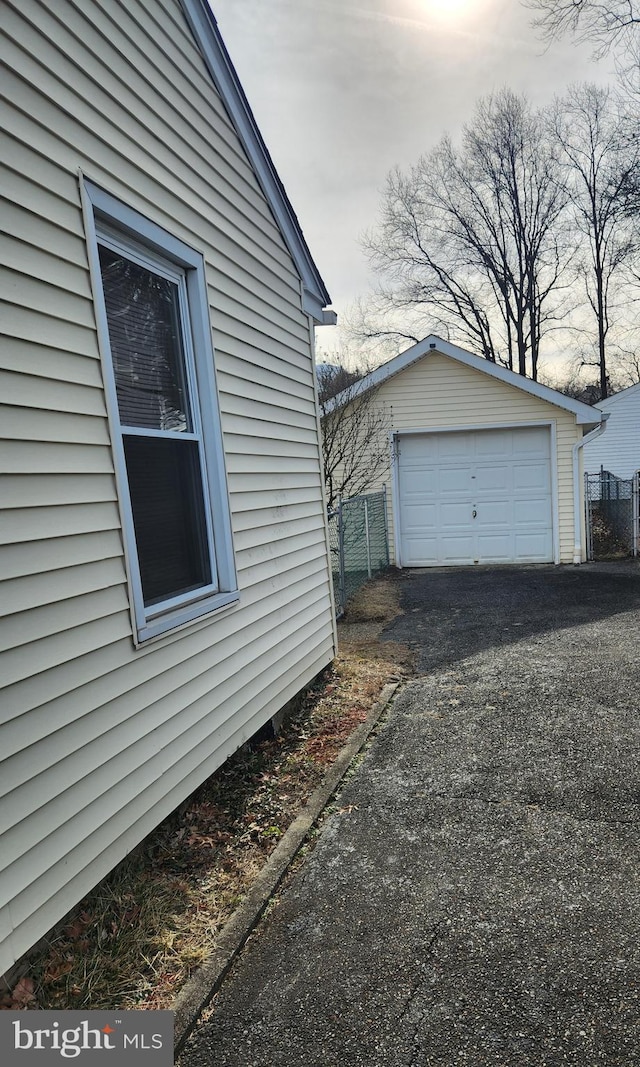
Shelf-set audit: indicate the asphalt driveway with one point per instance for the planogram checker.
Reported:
(475, 897)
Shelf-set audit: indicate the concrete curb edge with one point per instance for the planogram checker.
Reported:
(206, 981)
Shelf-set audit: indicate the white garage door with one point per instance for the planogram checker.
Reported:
(481, 496)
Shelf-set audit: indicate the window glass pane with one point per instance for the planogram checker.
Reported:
(146, 344)
(165, 484)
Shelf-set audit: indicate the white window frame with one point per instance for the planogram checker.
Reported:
(114, 224)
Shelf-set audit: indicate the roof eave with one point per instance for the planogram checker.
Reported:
(584, 414)
(205, 30)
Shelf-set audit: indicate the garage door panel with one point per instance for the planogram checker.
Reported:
(532, 512)
(420, 482)
(421, 516)
(492, 444)
(533, 547)
(454, 515)
(531, 476)
(413, 450)
(532, 441)
(423, 550)
(490, 479)
(456, 549)
(452, 480)
(495, 548)
(496, 513)
(453, 445)
(476, 496)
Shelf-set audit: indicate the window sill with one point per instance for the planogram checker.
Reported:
(166, 625)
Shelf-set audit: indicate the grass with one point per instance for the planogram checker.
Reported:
(136, 938)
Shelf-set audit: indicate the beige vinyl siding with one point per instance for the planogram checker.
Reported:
(161, 716)
(439, 392)
(26, 525)
(165, 795)
(62, 552)
(98, 683)
(99, 740)
(28, 457)
(29, 391)
(70, 367)
(22, 594)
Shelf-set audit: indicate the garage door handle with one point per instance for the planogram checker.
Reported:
(474, 513)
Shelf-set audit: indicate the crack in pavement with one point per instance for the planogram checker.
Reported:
(428, 950)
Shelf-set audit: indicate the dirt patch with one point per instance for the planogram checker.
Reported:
(367, 614)
(135, 939)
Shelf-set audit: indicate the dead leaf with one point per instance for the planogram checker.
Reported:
(22, 993)
(57, 970)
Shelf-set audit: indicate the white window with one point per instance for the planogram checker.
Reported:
(153, 318)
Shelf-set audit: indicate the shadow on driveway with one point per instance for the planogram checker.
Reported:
(453, 613)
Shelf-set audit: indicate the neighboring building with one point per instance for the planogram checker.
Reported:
(618, 450)
(485, 466)
(165, 578)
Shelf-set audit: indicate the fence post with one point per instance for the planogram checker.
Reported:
(589, 515)
(367, 537)
(636, 511)
(385, 514)
(343, 582)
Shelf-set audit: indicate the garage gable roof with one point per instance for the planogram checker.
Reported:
(205, 30)
(585, 415)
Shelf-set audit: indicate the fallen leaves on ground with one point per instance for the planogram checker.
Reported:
(134, 941)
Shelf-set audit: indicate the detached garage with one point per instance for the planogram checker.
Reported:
(475, 496)
(485, 466)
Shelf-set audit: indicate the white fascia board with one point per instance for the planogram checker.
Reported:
(205, 30)
(312, 305)
(585, 415)
(378, 376)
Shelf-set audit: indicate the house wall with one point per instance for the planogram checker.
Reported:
(99, 741)
(618, 448)
(439, 392)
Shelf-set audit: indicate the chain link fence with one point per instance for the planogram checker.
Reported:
(613, 515)
(359, 543)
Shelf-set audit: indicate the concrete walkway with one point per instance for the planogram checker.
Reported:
(476, 898)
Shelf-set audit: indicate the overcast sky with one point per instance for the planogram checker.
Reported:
(343, 90)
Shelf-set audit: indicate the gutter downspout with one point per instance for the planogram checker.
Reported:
(577, 510)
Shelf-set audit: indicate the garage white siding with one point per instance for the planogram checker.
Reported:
(481, 496)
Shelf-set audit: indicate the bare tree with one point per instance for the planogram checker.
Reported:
(355, 433)
(471, 239)
(587, 390)
(608, 23)
(628, 367)
(600, 162)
